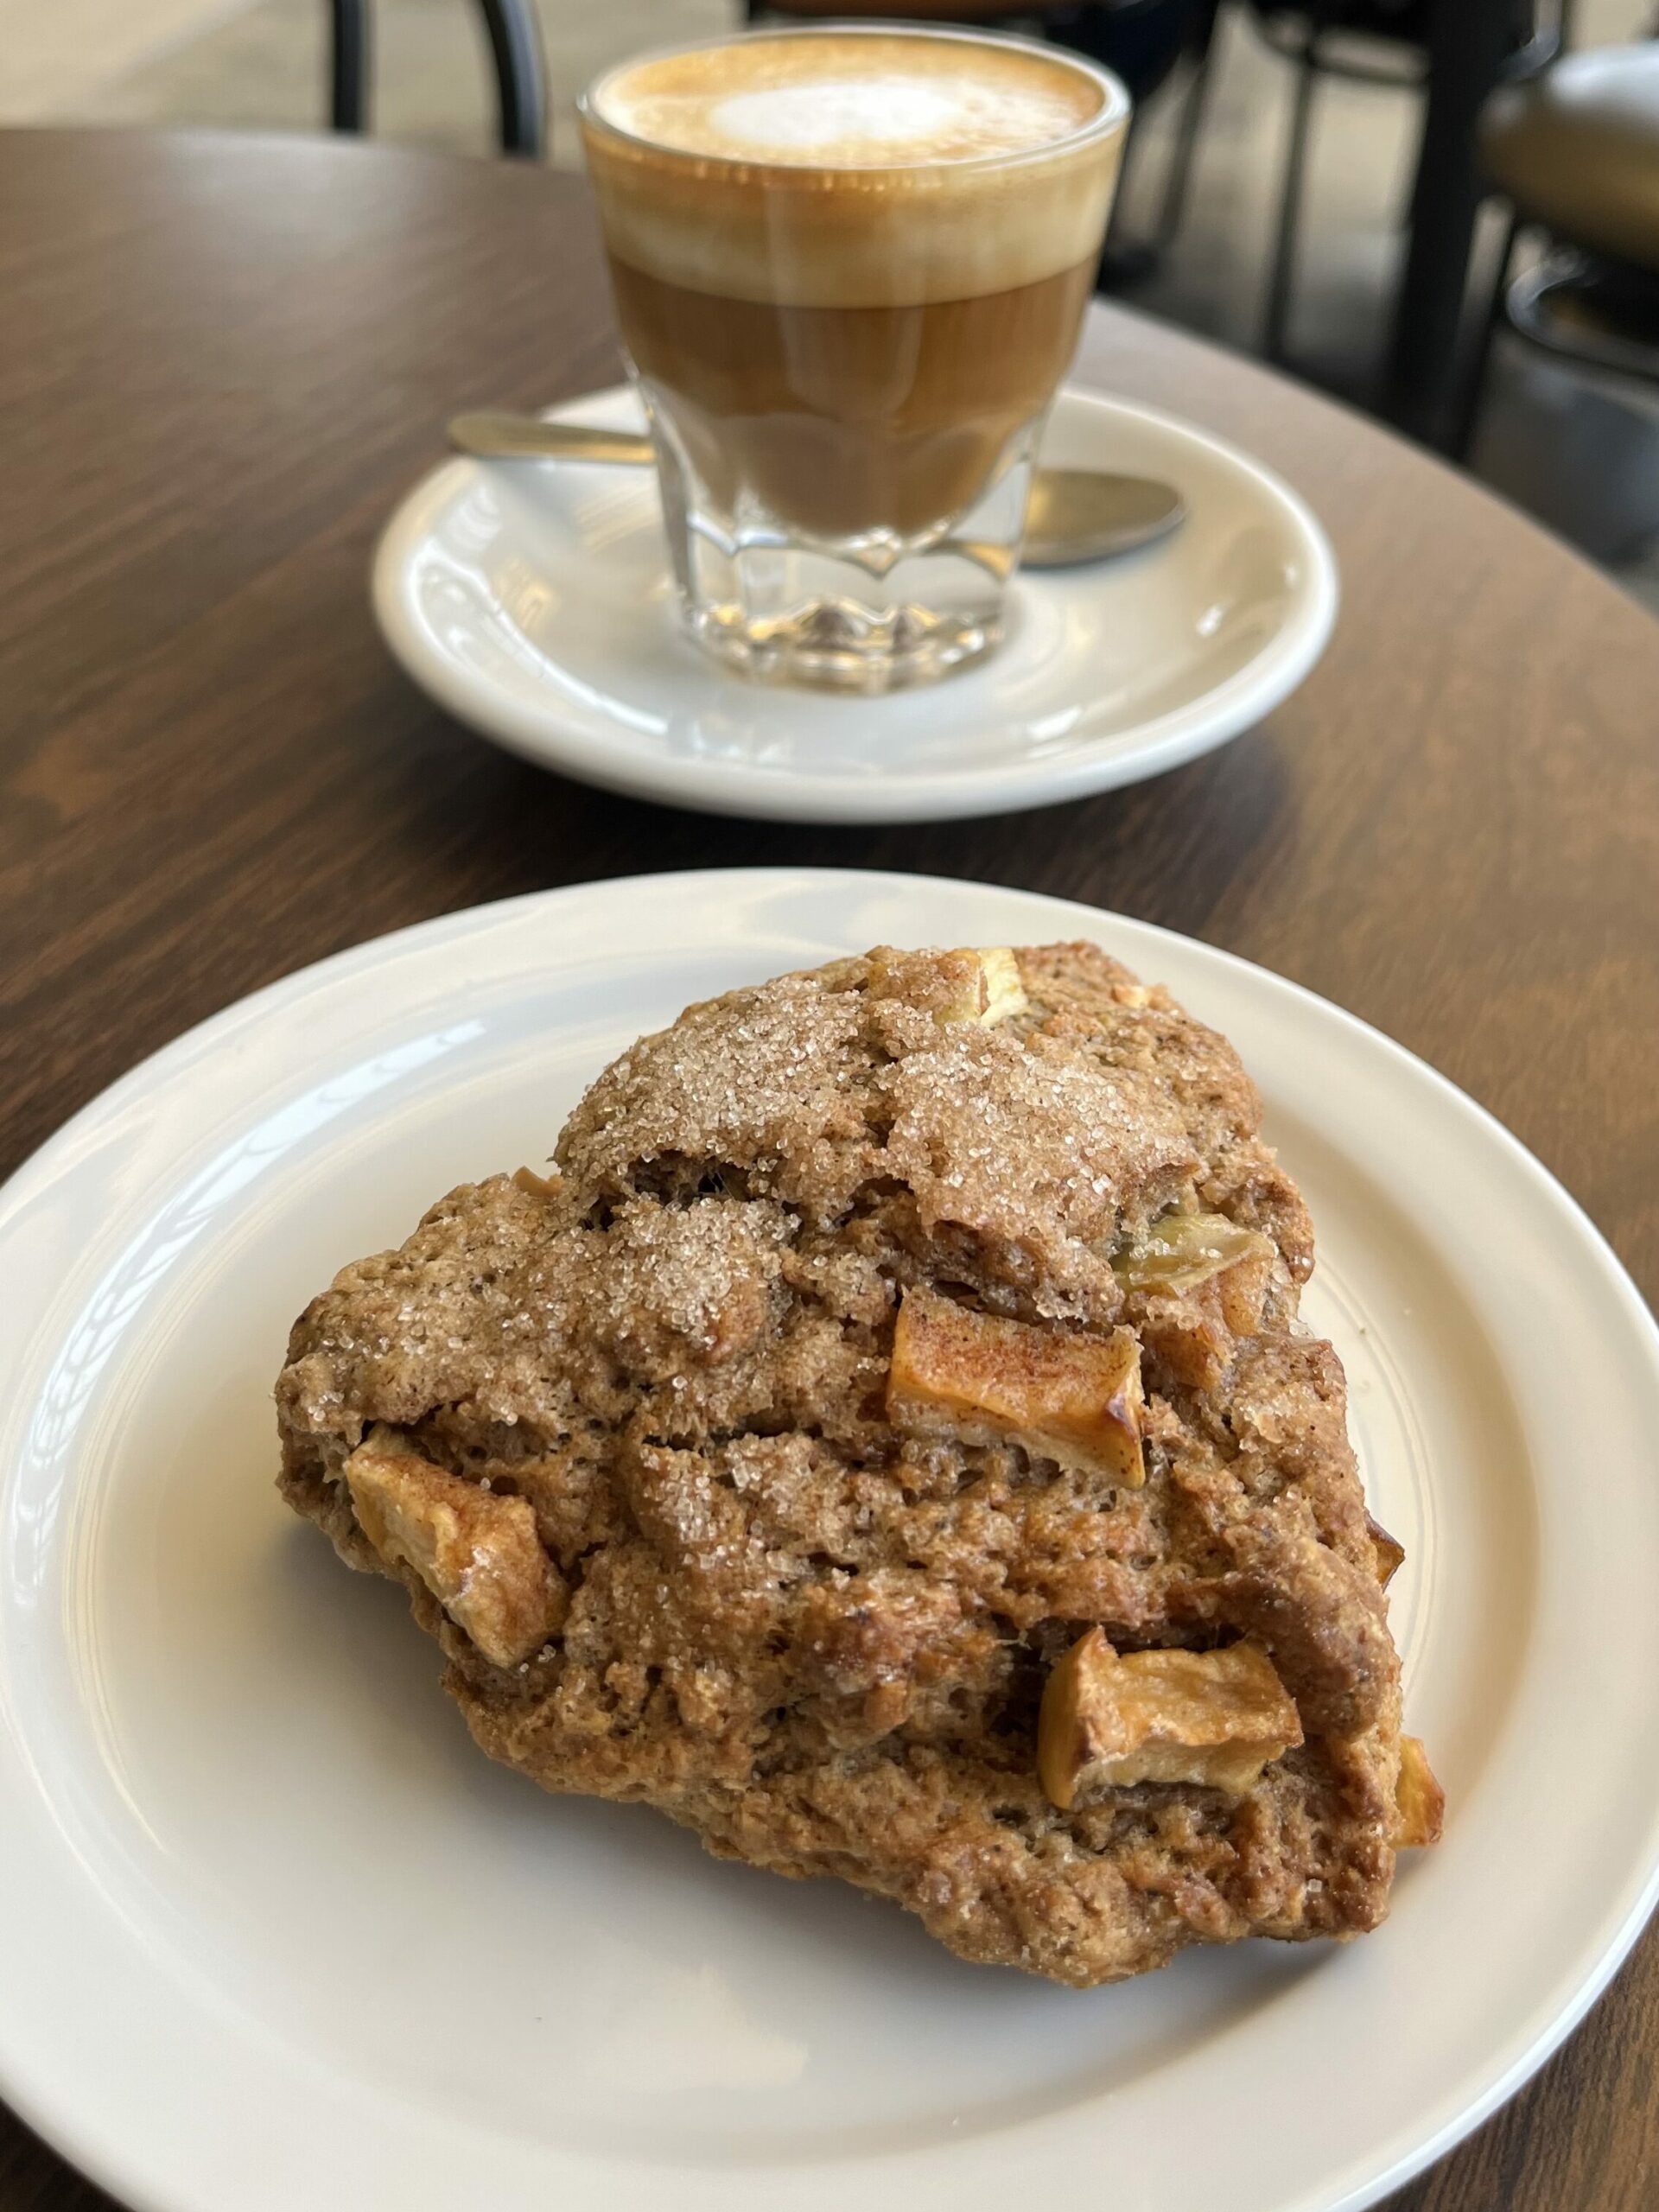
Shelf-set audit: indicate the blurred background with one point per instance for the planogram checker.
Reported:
(1230, 109)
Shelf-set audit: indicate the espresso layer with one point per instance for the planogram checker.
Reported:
(844, 420)
(854, 169)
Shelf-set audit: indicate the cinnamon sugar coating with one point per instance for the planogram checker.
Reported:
(820, 1640)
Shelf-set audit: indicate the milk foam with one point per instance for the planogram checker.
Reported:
(892, 100)
(899, 115)
(848, 168)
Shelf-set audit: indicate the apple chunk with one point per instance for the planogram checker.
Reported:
(973, 986)
(994, 996)
(1387, 1551)
(476, 1550)
(1212, 1718)
(1182, 1250)
(984, 1379)
(1420, 1800)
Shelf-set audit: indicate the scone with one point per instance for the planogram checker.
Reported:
(888, 1446)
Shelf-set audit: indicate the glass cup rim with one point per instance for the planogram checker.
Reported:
(1114, 112)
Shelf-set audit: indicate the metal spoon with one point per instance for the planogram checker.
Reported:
(1074, 515)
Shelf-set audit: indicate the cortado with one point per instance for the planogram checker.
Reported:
(854, 263)
(849, 268)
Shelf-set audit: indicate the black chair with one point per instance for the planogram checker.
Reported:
(515, 49)
(1140, 41)
(1372, 42)
(1576, 154)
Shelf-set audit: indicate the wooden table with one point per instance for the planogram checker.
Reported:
(222, 358)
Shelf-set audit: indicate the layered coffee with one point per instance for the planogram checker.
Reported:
(850, 265)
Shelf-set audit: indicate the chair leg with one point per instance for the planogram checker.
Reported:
(1178, 182)
(1123, 261)
(1276, 323)
(1132, 138)
(515, 46)
(1466, 417)
(348, 63)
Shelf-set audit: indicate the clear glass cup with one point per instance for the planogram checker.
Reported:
(848, 292)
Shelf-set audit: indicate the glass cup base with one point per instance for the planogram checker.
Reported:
(844, 645)
(875, 614)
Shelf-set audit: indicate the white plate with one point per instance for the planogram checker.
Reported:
(532, 600)
(276, 1938)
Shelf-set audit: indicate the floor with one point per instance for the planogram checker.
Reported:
(1586, 460)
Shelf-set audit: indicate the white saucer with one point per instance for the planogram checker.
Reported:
(274, 1935)
(532, 601)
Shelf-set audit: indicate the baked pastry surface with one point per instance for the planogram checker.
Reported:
(888, 1446)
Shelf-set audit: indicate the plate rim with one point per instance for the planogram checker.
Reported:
(1366, 2180)
(1227, 710)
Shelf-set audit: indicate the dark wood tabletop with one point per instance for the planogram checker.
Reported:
(221, 360)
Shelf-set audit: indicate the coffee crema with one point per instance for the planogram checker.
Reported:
(854, 168)
(804, 100)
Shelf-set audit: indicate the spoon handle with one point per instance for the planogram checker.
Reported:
(494, 435)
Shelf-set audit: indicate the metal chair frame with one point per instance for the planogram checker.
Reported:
(1524, 304)
(515, 52)
(1317, 49)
